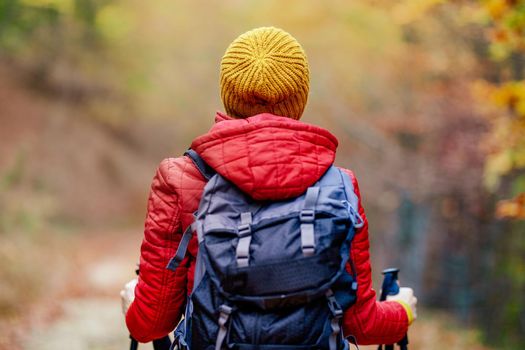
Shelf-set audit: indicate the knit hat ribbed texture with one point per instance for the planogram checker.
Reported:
(264, 70)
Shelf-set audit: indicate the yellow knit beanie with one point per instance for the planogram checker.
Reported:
(264, 70)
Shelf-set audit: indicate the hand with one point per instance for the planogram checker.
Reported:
(127, 294)
(407, 298)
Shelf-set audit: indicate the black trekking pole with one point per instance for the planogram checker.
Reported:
(134, 344)
(391, 287)
(158, 344)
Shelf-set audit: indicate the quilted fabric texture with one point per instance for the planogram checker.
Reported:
(268, 157)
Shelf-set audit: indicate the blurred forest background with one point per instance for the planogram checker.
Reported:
(427, 98)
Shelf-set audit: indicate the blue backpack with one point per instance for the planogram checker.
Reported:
(270, 275)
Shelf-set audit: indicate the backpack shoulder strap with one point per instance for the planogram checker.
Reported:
(206, 170)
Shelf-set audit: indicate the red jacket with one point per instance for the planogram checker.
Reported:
(268, 157)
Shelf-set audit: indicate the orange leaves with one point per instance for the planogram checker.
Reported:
(496, 8)
(512, 208)
(512, 96)
(505, 142)
(509, 96)
(507, 20)
(504, 103)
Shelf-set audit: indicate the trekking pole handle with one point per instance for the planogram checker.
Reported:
(390, 286)
(158, 344)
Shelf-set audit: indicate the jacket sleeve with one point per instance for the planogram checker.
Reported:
(160, 294)
(368, 320)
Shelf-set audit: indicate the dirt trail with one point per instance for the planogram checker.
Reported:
(86, 313)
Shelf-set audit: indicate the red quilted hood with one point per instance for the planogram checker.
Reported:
(267, 156)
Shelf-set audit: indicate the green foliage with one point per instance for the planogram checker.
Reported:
(506, 21)
(502, 100)
(18, 22)
(511, 277)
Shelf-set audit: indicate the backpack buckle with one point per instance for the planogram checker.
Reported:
(308, 249)
(243, 260)
(244, 230)
(225, 309)
(307, 216)
(225, 312)
(354, 286)
(334, 307)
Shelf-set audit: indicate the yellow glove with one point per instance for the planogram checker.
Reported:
(406, 298)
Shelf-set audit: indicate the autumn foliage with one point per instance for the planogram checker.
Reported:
(426, 97)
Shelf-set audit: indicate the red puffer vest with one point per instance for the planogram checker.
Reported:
(268, 157)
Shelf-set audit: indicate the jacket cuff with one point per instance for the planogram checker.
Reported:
(408, 310)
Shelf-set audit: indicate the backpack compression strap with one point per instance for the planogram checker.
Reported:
(242, 253)
(307, 218)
